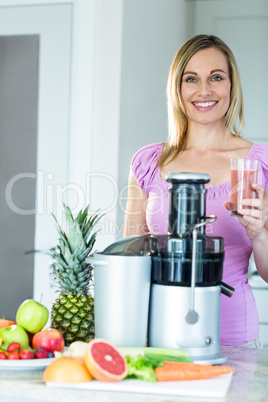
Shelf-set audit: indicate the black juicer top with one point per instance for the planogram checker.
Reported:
(172, 254)
(187, 201)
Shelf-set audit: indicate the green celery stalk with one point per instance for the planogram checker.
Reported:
(154, 352)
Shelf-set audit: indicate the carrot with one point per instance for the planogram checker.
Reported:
(174, 371)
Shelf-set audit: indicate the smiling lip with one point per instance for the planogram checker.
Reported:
(204, 106)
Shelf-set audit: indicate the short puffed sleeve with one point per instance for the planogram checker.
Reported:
(144, 165)
(260, 152)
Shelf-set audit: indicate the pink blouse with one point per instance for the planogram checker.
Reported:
(239, 316)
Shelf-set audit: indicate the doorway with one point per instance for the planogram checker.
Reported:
(19, 66)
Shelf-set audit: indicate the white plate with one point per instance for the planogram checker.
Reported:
(31, 364)
(216, 387)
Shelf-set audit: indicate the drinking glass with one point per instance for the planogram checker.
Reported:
(244, 172)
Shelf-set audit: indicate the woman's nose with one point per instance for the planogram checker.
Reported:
(204, 88)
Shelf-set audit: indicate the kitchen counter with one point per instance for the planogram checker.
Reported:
(249, 383)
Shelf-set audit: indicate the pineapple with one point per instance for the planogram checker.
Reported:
(72, 312)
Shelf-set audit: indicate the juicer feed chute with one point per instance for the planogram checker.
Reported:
(187, 201)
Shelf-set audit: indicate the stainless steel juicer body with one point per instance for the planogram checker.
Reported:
(122, 292)
(169, 329)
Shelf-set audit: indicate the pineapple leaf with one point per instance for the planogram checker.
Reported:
(91, 242)
(74, 234)
(60, 259)
(60, 231)
(81, 218)
(84, 253)
(71, 271)
(90, 225)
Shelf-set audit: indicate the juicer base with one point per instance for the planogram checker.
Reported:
(217, 358)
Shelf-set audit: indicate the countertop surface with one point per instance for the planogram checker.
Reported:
(249, 383)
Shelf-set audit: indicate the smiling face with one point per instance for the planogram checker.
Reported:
(205, 87)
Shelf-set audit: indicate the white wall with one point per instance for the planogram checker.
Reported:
(152, 33)
(104, 152)
(136, 41)
(103, 68)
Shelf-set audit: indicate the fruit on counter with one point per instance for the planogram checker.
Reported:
(13, 356)
(104, 361)
(22, 350)
(49, 339)
(3, 355)
(72, 312)
(67, 370)
(32, 316)
(6, 323)
(76, 349)
(174, 371)
(13, 347)
(26, 354)
(42, 354)
(14, 333)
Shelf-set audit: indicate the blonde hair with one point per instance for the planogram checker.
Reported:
(177, 119)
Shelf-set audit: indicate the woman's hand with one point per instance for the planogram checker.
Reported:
(254, 218)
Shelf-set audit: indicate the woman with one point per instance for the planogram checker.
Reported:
(205, 116)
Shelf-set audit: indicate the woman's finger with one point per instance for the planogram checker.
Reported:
(227, 205)
(259, 190)
(251, 213)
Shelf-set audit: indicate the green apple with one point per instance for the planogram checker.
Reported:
(14, 333)
(32, 316)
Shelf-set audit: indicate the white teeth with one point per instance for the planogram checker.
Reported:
(204, 104)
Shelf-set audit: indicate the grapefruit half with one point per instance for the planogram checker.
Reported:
(104, 361)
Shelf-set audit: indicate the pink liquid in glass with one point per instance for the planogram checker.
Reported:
(241, 187)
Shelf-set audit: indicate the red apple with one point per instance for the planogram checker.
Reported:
(49, 339)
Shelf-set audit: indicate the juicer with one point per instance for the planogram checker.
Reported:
(186, 275)
(176, 301)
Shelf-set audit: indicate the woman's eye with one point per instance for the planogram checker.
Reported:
(216, 78)
(190, 79)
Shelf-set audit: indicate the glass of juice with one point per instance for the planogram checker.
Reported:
(244, 172)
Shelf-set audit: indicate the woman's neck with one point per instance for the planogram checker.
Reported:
(204, 137)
